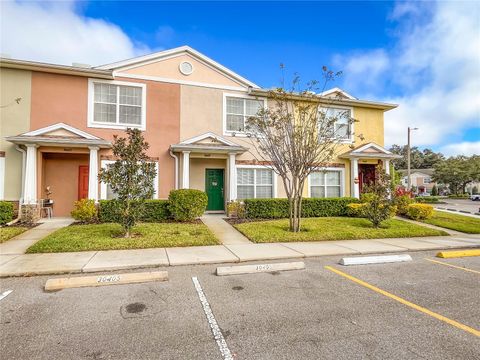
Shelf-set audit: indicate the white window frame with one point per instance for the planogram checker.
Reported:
(342, 180)
(241, 96)
(103, 185)
(104, 125)
(351, 139)
(425, 182)
(274, 178)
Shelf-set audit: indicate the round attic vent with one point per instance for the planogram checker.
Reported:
(186, 68)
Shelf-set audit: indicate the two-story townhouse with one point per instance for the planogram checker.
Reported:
(192, 111)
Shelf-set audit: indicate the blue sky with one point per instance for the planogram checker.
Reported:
(425, 56)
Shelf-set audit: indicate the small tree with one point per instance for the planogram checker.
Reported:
(298, 134)
(377, 196)
(434, 190)
(131, 177)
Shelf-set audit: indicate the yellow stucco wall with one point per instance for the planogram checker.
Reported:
(202, 109)
(14, 120)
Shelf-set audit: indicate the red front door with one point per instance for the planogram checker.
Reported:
(82, 182)
(366, 175)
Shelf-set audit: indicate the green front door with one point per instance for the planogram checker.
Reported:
(214, 188)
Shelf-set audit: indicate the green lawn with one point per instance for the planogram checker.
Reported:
(332, 228)
(451, 221)
(105, 237)
(8, 232)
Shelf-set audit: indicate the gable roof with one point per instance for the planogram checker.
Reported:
(217, 144)
(146, 59)
(208, 135)
(338, 91)
(370, 150)
(59, 134)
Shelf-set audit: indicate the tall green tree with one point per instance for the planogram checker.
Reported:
(419, 159)
(457, 172)
(130, 177)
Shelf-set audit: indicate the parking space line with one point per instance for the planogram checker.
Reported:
(406, 302)
(453, 266)
(217, 333)
(5, 294)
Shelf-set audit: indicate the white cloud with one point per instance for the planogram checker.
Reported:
(467, 148)
(434, 66)
(57, 33)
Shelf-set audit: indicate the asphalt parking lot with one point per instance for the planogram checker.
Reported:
(315, 313)
(460, 205)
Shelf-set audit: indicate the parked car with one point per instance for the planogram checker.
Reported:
(475, 197)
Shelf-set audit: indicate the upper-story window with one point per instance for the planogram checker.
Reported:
(341, 126)
(117, 105)
(238, 110)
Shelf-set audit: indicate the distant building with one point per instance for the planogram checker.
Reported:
(421, 179)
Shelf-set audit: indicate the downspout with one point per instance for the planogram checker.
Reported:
(20, 201)
(176, 168)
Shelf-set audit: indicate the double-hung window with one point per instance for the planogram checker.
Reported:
(116, 104)
(254, 183)
(326, 183)
(339, 122)
(238, 110)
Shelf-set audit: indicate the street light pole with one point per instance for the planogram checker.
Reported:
(409, 185)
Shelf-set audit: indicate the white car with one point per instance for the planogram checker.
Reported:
(475, 197)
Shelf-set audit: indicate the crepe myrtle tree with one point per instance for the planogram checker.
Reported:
(297, 134)
(130, 177)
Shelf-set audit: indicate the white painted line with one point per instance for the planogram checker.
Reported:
(217, 333)
(259, 268)
(364, 260)
(5, 294)
(101, 280)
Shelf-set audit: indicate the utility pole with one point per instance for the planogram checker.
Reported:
(409, 182)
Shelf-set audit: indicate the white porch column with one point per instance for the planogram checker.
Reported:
(2, 176)
(232, 177)
(30, 190)
(386, 166)
(354, 176)
(93, 174)
(186, 170)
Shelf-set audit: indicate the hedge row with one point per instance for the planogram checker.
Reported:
(426, 199)
(311, 207)
(155, 210)
(6, 212)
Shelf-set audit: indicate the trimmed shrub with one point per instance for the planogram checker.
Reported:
(311, 207)
(6, 212)
(236, 209)
(84, 211)
(402, 202)
(355, 210)
(426, 199)
(419, 211)
(459, 196)
(187, 204)
(154, 211)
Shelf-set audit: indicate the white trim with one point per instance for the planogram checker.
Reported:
(232, 177)
(30, 191)
(354, 174)
(117, 125)
(103, 186)
(351, 140)
(206, 136)
(320, 169)
(186, 170)
(336, 89)
(274, 178)
(371, 145)
(181, 82)
(162, 55)
(93, 173)
(248, 97)
(62, 126)
(2, 178)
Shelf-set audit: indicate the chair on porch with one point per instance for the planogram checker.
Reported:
(46, 207)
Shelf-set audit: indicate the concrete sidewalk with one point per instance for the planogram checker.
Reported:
(224, 232)
(92, 261)
(20, 243)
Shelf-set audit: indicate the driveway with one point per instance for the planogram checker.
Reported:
(315, 313)
(460, 205)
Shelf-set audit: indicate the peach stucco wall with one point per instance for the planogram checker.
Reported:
(63, 98)
(60, 172)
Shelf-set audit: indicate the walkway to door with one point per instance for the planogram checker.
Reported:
(225, 232)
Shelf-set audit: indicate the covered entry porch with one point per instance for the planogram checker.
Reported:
(207, 163)
(60, 166)
(364, 162)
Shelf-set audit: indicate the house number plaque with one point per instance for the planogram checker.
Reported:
(108, 278)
